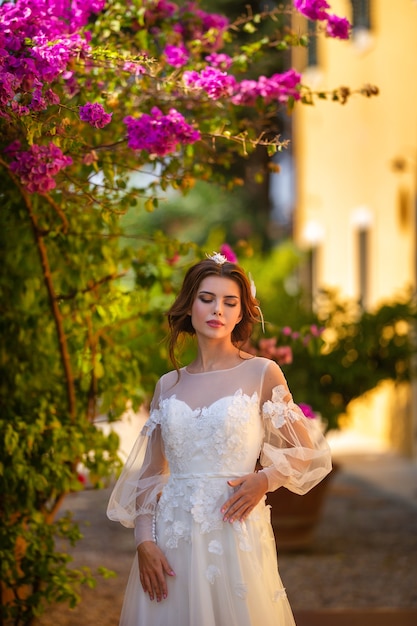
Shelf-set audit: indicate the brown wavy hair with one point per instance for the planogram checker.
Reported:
(179, 318)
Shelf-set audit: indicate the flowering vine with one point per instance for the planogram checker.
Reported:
(94, 114)
(337, 27)
(50, 59)
(158, 133)
(38, 166)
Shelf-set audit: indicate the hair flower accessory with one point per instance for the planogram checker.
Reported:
(252, 286)
(253, 292)
(218, 258)
(227, 251)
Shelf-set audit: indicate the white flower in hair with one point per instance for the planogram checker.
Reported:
(253, 292)
(217, 257)
(252, 286)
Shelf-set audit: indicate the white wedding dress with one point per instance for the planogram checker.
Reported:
(203, 430)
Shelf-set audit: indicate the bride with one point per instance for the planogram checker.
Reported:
(206, 553)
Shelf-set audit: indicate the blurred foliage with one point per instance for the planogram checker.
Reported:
(111, 301)
(339, 352)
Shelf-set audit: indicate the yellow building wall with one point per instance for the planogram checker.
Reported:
(346, 154)
(356, 167)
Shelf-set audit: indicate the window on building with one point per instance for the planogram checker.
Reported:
(363, 266)
(312, 276)
(312, 59)
(361, 14)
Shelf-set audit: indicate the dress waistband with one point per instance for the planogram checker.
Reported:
(192, 476)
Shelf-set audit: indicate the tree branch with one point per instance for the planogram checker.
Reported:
(91, 287)
(59, 211)
(47, 277)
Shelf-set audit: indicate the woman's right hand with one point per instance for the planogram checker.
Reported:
(153, 566)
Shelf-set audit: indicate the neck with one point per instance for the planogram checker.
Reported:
(215, 358)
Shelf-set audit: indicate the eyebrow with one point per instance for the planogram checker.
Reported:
(210, 293)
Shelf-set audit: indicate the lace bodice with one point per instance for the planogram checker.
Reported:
(206, 428)
(223, 438)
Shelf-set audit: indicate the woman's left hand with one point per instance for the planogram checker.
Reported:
(249, 490)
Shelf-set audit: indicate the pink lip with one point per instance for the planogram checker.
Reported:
(214, 324)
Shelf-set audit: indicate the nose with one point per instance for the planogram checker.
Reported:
(217, 308)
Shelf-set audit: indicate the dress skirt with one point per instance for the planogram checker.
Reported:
(224, 576)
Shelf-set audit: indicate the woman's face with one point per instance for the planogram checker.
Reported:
(217, 307)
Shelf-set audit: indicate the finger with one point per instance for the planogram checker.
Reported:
(231, 509)
(167, 568)
(239, 513)
(231, 502)
(227, 509)
(147, 586)
(235, 482)
(151, 583)
(243, 512)
(155, 588)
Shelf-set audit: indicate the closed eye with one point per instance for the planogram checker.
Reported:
(209, 300)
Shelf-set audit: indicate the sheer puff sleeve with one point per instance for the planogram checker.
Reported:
(135, 495)
(295, 453)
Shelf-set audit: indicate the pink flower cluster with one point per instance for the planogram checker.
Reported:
(159, 134)
(215, 83)
(281, 354)
(37, 42)
(94, 114)
(38, 166)
(218, 84)
(309, 333)
(337, 27)
(177, 56)
(220, 60)
(278, 87)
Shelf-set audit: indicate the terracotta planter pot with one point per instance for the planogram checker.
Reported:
(294, 518)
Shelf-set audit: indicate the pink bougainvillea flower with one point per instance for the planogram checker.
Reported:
(177, 56)
(313, 9)
(51, 28)
(283, 355)
(278, 87)
(220, 60)
(214, 82)
(307, 410)
(95, 115)
(159, 134)
(38, 166)
(227, 251)
(134, 68)
(337, 27)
